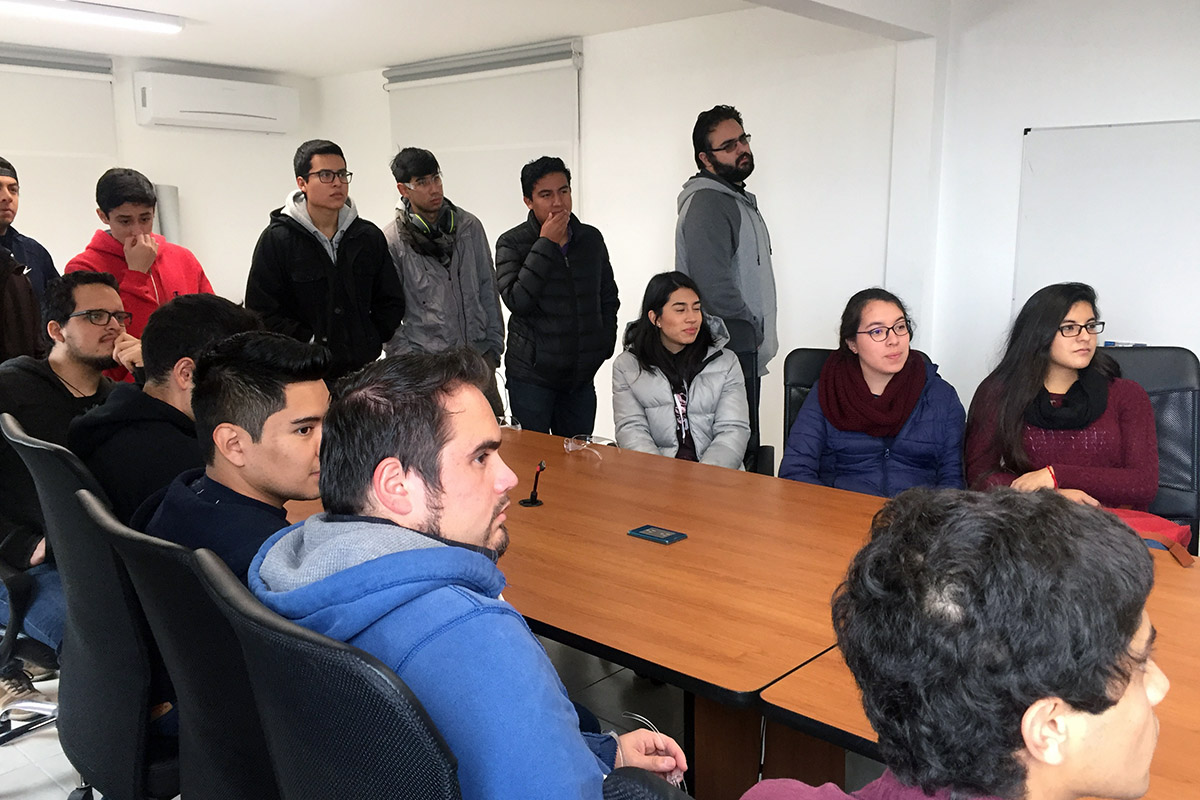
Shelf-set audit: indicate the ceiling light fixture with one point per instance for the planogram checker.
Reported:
(72, 11)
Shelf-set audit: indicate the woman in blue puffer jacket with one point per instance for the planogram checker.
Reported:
(880, 419)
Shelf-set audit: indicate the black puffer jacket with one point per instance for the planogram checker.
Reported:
(564, 308)
(352, 307)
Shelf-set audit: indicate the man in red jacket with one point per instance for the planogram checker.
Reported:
(150, 270)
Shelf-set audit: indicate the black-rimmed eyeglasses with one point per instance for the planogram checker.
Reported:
(880, 334)
(99, 316)
(1072, 329)
(327, 175)
(731, 145)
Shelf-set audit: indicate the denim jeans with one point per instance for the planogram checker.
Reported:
(561, 412)
(47, 609)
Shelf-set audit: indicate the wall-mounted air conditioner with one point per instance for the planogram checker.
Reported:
(189, 102)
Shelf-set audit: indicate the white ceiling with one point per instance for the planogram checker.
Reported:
(333, 37)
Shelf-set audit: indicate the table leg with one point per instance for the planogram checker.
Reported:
(792, 754)
(726, 748)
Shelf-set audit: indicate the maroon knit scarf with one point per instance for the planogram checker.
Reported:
(849, 405)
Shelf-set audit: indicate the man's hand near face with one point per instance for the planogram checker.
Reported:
(140, 252)
(555, 227)
(127, 351)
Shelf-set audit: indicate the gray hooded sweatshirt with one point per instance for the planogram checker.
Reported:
(296, 207)
(721, 241)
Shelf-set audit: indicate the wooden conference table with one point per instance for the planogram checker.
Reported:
(741, 602)
(823, 700)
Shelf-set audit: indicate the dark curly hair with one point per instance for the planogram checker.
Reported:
(965, 608)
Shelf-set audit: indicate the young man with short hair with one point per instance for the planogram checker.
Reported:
(1003, 649)
(87, 324)
(415, 493)
(444, 260)
(150, 270)
(556, 279)
(27, 251)
(259, 401)
(321, 273)
(142, 437)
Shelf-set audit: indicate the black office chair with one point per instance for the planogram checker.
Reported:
(801, 369)
(104, 688)
(759, 458)
(222, 747)
(1171, 376)
(631, 783)
(339, 723)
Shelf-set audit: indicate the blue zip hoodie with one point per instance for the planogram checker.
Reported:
(434, 614)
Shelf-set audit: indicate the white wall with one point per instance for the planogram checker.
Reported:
(57, 158)
(228, 181)
(354, 113)
(1015, 64)
(817, 100)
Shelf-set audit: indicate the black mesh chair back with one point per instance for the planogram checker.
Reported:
(104, 686)
(760, 458)
(222, 748)
(801, 369)
(631, 783)
(339, 723)
(1171, 376)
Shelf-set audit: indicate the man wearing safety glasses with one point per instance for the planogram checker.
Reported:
(321, 273)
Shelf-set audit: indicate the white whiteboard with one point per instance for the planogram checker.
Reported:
(1116, 206)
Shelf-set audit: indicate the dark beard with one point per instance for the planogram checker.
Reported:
(98, 363)
(433, 527)
(734, 174)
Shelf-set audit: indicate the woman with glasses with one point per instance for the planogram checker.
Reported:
(675, 391)
(879, 419)
(1055, 413)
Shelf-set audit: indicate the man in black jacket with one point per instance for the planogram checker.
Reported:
(320, 272)
(142, 437)
(556, 279)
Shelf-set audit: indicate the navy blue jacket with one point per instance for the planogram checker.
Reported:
(30, 253)
(196, 511)
(926, 452)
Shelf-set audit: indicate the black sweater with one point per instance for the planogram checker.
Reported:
(31, 392)
(134, 445)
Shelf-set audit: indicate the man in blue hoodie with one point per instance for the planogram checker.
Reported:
(402, 564)
(258, 403)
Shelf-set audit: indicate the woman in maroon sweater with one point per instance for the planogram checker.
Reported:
(1056, 414)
